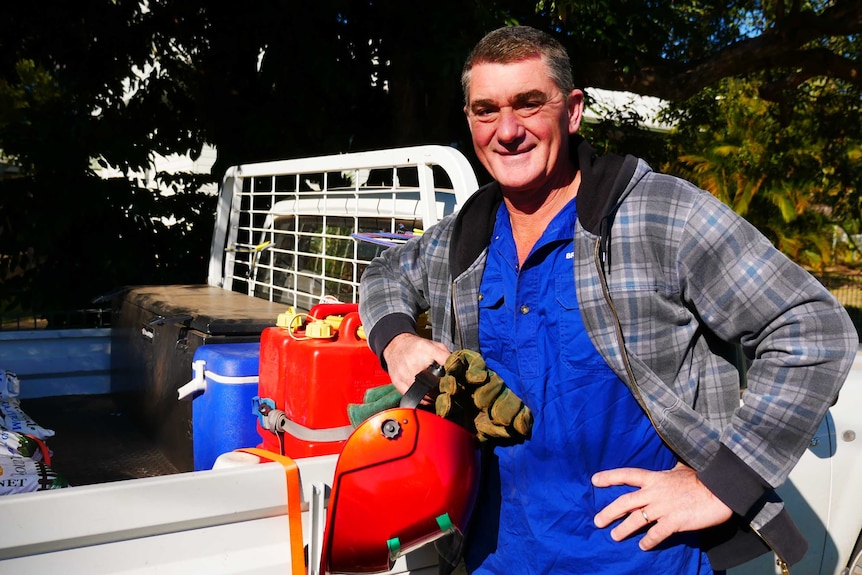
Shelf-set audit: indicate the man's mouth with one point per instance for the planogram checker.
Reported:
(516, 152)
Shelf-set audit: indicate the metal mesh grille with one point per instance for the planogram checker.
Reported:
(292, 235)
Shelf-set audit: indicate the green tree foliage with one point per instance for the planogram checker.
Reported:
(279, 79)
(116, 81)
(796, 179)
(674, 49)
(62, 71)
(768, 98)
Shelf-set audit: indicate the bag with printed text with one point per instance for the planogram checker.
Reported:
(12, 443)
(10, 386)
(19, 474)
(25, 460)
(12, 417)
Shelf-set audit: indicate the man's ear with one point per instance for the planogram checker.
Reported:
(575, 108)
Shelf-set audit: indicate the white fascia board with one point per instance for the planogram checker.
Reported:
(602, 103)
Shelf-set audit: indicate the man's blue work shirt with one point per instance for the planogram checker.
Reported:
(536, 507)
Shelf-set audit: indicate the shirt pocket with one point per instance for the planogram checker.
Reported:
(577, 351)
(494, 323)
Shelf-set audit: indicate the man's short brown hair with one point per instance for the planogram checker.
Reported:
(515, 43)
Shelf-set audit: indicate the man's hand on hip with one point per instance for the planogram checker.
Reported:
(666, 502)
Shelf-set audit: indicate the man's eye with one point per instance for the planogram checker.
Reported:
(529, 108)
(486, 114)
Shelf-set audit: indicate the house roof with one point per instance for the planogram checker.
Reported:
(608, 104)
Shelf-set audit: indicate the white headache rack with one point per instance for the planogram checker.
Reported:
(286, 231)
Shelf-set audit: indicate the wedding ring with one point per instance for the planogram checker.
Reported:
(643, 512)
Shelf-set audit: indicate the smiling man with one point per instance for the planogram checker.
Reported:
(611, 299)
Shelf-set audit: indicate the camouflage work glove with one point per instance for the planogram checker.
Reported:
(477, 398)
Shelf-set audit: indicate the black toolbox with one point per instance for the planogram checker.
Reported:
(155, 333)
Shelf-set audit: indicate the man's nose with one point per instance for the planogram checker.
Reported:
(509, 126)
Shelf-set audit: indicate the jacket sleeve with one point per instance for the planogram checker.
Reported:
(395, 287)
(798, 339)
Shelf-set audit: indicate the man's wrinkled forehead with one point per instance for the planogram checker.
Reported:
(543, 83)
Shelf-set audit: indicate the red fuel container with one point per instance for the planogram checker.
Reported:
(312, 379)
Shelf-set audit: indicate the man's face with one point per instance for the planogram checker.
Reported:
(521, 122)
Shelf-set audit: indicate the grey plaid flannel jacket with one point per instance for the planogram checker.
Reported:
(672, 286)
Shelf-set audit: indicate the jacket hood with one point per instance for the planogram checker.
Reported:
(603, 181)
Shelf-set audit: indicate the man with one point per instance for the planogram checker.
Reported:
(612, 300)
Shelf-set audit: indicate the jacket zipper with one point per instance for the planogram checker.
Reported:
(455, 327)
(618, 330)
(781, 563)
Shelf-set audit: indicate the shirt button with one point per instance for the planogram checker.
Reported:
(481, 297)
(525, 309)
